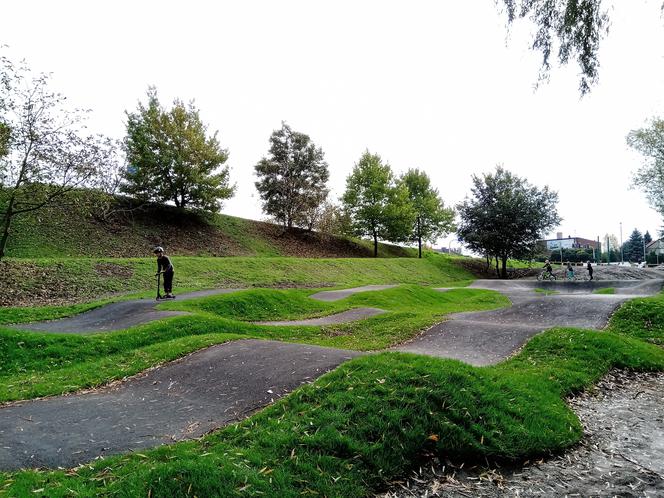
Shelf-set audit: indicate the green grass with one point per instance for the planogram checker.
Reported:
(546, 292)
(374, 418)
(72, 230)
(606, 290)
(35, 364)
(78, 280)
(642, 318)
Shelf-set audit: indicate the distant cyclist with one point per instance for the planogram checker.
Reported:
(570, 271)
(547, 267)
(547, 274)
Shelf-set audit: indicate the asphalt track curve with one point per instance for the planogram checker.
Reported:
(487, 337)
(125, 314)
(180, 400)
(115, 316)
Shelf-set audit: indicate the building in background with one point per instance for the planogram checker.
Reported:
(570, 243)
(656, 246)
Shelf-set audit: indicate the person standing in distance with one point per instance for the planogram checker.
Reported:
(165, 267)
(590, 270)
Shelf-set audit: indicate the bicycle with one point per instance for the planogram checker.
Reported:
(546, 275)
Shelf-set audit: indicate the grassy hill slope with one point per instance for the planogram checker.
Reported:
(76, 230)
(58, 281)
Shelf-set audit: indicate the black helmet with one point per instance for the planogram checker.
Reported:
(158, 249)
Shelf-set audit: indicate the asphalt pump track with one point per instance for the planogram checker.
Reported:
(487, 337)
(125, 314)
(224, 383)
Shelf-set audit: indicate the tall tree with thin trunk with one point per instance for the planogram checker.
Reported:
(377, 207)
(47, 153)
(432, 218)
(292, 180)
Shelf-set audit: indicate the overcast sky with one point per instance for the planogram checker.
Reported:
(436, 85)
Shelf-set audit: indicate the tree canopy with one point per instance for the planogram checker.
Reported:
(46, 151)
(292, 180)
(649, 141)
(171, 158)
(432, 218)
(573, 28)
(505, 216)
(378, 207)
(633, 247)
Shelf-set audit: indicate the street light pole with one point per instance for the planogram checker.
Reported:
(622, 256)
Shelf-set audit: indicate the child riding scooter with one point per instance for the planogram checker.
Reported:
(164, 267)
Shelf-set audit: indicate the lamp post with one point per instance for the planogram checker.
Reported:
(622, 256)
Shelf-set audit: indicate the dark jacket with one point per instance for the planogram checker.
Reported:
(164, 264)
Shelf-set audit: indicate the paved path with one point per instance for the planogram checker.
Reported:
(183, 399)
(115, 316)
(487, 337)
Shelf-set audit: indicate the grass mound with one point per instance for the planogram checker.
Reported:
(368, 422)
(642, 318)
(35, 364)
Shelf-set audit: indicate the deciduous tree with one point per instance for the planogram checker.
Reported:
(505, 216)
(573, 28)
(378, 208)
(292, 180)
(432, 218)
(47, 152)
(649, 141)
(171, 157)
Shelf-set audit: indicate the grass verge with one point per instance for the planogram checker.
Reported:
(606, 290)
(546, 292)
(375, 417)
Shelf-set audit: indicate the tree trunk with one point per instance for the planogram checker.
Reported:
(497, 267)
(419, 238)
(503, 272)
(6, 225)
(375, 237)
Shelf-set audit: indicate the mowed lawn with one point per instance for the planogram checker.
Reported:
(376, 417)
(352, 431)
(37, 364)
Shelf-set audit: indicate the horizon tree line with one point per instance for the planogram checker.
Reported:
(171, 157)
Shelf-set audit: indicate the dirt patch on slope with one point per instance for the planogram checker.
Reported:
(621, 454)
(31, 284)
(110, 270)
